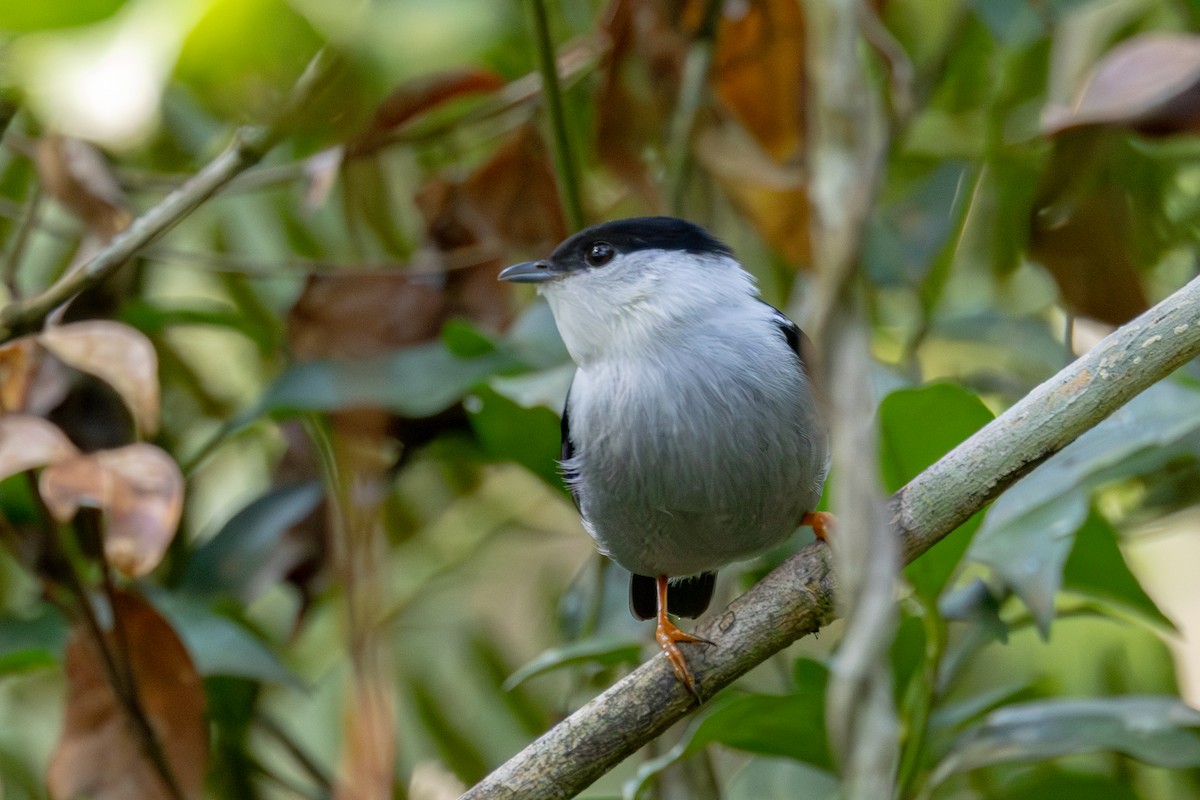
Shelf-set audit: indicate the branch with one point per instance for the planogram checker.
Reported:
(797, 598)
(249, 145)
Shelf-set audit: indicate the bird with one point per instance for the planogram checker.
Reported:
(691, 436)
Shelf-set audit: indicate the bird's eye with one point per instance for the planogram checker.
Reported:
(599, 254)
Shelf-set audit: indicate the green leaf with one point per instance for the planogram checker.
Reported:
(781, 779)
(917, 427)
(465, 340)
(1029, 532)
(1162, 731)
(416, 382)
(219, 645)
(231, 560)
(517, 419)
(32, 642)
(1059, 784)
(605, 652)
(22, 16)
(1097, 568)
(790, 725)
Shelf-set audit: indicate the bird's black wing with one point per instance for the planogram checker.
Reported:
(801, 345)
(568, 449)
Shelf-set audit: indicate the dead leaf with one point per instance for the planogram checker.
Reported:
(100, 754)
(772, 197)
(1150, 83)
(1088, 251)
(117, 354)
(758, 72)
(516, 192)
(140, 490)
(418, 96)
(28, 442)
(17, 367)
(78, 176)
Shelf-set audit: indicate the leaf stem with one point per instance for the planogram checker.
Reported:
(564, 160)
(696, 67)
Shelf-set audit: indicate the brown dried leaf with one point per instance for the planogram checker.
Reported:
(758, 72)
(772, 197)
(17, 366)
(139, 489)
(418, 96)
(100, 754)
(1150, 83)
(28, 442)
(516, 192)
(1089, 253)
(363, 314)
(117, 354)
(639, 83)
(78, 176)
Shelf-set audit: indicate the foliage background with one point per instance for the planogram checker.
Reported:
(377, 574)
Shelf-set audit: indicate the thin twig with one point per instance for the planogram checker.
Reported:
(564, 158)
(27, 224)
(797, 598)
(249, 145)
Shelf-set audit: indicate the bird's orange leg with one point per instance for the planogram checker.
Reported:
(669, 637)
(822, 523)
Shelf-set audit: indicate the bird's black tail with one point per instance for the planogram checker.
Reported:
(686, 597)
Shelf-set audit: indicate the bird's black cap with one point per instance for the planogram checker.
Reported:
(622, 236)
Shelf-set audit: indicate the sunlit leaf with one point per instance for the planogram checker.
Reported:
(100, 753)
(1030, 530)
(28, 442)
(916, 428)
(1157, 730)
(117, 354)
(140, 490)
(600, 652)
(18, 17)
(235, 559)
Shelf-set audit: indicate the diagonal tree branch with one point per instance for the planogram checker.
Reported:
(249, 145)
(797, 598)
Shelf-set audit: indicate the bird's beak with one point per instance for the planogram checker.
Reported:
(531, 272)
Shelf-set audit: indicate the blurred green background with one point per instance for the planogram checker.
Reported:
(376, 555)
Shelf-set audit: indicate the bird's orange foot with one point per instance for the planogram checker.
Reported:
(822, 523)
(669, 637)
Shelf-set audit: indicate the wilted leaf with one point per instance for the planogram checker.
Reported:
(1029, 531)
(1157, 730)
(1150, 83)
(100, 755)
(516, 192)
(17, 360)
(28, 442)
(1086, 244)
(916, 428)
(758, 73)
(772, 196)
(117, 354)
(140, 490)
(418, 96)
(78, 176)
